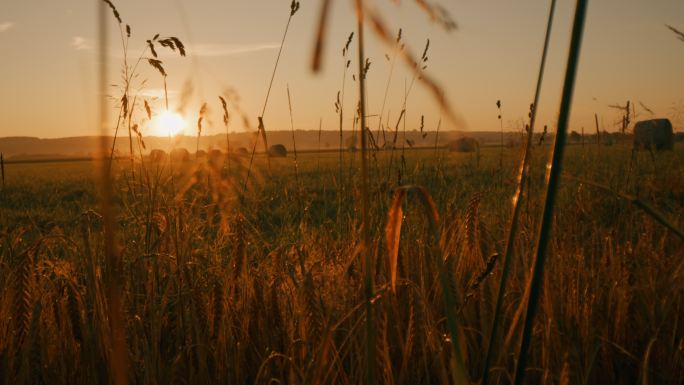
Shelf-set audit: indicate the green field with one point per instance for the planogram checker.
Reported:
(223, 284)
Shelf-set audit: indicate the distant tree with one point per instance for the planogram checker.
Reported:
(464, 144)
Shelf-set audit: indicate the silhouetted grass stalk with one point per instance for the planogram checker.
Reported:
(513, 229)
(365, 230)
(226, 121)
(598, 136)
(498, 106)
(340, 109)
(200, 119)
(318, 155)
(439, 125)
(553, 179)
(294, 7)
(387, 85)
(118, 358)
(130, 136)
(294, 141)
(128, 78)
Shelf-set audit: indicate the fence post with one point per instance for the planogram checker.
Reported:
(2, 167)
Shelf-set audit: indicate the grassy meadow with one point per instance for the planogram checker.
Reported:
(223, 284)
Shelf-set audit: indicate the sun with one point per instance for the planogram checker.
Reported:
(169, 123)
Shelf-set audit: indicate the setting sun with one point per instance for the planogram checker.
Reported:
(169, 123)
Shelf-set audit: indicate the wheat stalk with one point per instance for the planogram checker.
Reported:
(119, 358)
(294, 7)
(294, 141)
(2, 168)
(393, 235)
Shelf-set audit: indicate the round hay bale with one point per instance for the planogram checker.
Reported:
(654, 134)
(464, 144)
(215, 157)
(180, 155)
(277, 151)
(158, 155)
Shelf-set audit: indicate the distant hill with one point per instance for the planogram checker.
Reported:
(24, 147)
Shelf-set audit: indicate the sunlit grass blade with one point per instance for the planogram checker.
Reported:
(553, 179)
(294, 7)
(395, 218)
(517, 205)
(393, 233)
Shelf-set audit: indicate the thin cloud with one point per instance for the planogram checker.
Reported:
(81, 43)
(6, 26)
(217, 50)
(158, 93)
(203, 50)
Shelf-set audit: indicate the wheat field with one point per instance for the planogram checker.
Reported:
(220, 287)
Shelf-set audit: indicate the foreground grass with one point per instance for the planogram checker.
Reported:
(267, 285)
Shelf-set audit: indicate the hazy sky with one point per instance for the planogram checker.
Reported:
(47, 72)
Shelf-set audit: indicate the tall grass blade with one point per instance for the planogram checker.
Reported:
(294, 7)
(517, 204)
(2, 167)
(294, 141)
(365, 204)
(395, 218)
(553, 180)
(320, 36)
(393, 233)
(118, 359)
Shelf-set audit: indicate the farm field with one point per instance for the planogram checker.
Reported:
(232, 287)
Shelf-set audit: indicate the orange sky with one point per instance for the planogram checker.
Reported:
(47, 86)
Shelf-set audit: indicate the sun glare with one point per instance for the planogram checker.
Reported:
(169, 123)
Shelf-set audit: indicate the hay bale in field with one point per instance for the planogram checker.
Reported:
(242, 151)
(180, 155)
(157, 155)
(464, 144)
(352, 143)
(654, 134)
(215, 155)
(277, 151)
